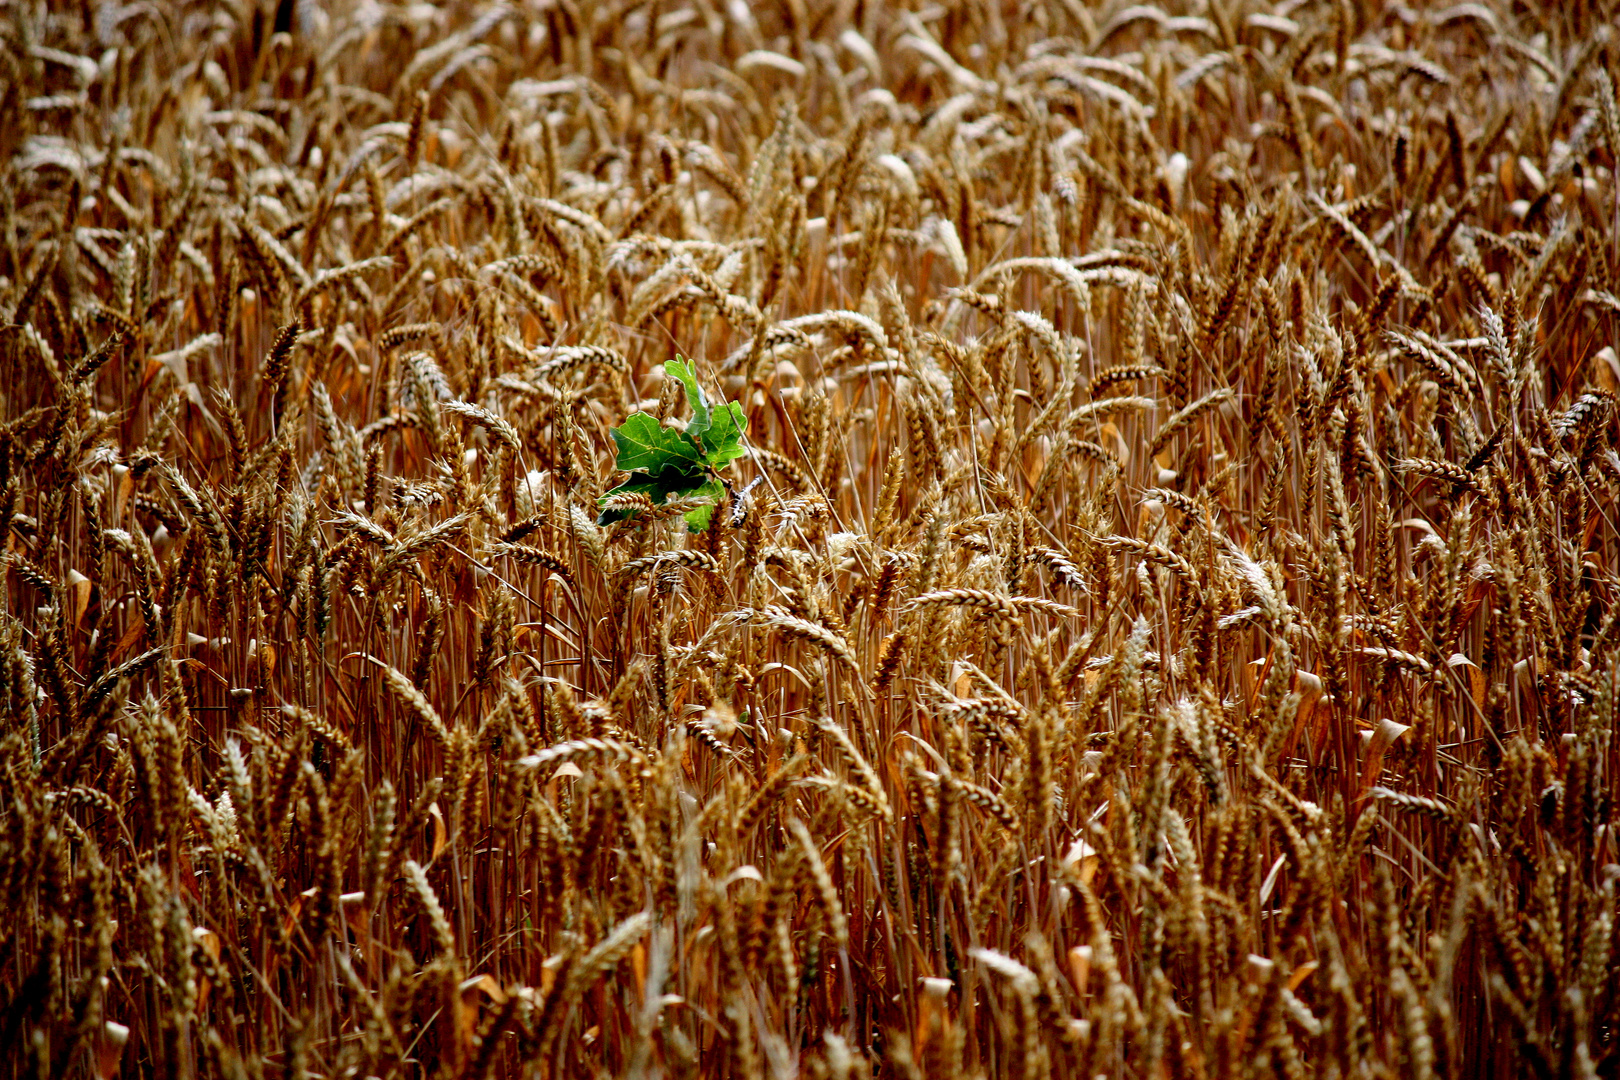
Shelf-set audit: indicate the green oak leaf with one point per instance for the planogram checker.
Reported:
(695, 398)
(645, 445)
(722, 443)
(667, 483)
(697, 519)
(665, 464)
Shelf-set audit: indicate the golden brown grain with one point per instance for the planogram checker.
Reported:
(1164, 622)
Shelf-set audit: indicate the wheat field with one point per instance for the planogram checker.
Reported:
(1162, 618)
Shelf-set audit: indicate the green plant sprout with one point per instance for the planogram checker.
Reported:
(666, 464)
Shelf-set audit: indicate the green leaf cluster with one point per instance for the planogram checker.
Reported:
(667, 464)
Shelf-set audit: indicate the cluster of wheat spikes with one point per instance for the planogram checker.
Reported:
(1174, 631)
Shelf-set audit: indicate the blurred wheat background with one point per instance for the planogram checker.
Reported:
(1165, 624)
